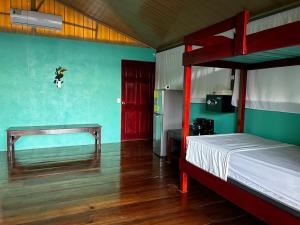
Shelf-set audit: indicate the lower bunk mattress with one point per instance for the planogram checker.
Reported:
(269, 169)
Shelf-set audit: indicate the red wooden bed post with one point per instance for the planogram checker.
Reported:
(240, 39)
(240, 48)
(242, 101)
(185, 118)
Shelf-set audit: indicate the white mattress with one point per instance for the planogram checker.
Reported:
(212, 152)
(269, 167)
(273, 172)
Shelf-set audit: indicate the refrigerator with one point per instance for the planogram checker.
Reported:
(167, 115)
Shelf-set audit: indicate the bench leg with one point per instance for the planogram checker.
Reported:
(8, 146)
(97, 143)
(13, 150)
(97, 140)
(10, 149)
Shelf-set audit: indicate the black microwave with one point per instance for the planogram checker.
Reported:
(219, 103)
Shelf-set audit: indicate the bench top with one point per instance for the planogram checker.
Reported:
(54, 127)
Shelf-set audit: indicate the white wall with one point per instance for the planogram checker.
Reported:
(205, 80)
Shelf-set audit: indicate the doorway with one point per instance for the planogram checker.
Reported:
(137, 100)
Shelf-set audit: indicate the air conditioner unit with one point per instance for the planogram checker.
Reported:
(36, 19)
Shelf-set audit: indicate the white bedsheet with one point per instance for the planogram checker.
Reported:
(273, 172)
(212, 153)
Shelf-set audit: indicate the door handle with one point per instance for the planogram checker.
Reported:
(123, 103)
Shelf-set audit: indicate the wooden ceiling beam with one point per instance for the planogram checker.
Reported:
(38, 7)
(32, 5)
(101, 22)
(33, 8)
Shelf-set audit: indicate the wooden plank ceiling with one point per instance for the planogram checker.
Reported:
(75, 24)
(162, 23)
(155, 23)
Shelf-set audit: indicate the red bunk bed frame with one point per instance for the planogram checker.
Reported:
(223, 52)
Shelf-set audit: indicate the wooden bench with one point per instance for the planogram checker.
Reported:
(14, 133)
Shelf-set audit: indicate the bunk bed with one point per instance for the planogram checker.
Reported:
(274, 47)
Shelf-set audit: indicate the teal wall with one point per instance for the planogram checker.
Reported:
(273, 125)
(224, 122)
(90, 89)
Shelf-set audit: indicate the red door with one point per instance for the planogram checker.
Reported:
(137, 100)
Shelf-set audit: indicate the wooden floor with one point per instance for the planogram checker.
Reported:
(127, 185)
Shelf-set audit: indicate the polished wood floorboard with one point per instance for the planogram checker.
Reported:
(126, 185)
